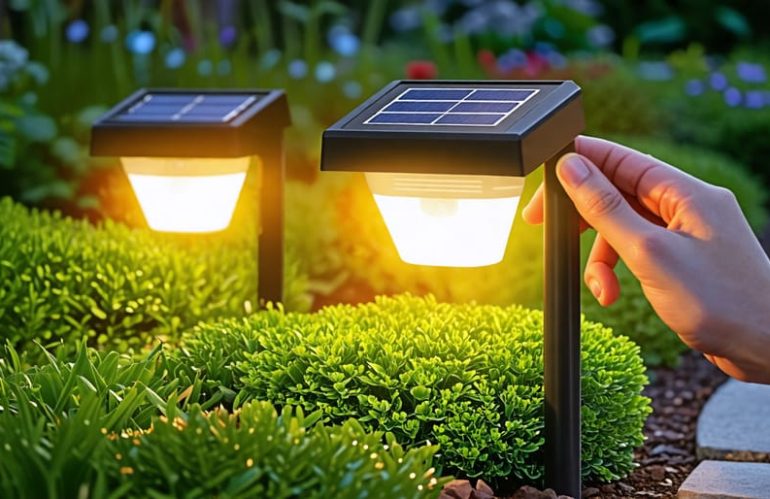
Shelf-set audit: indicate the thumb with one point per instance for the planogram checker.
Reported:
(599, 202)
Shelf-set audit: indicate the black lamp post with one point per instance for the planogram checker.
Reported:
(187, 154)
(445, 161)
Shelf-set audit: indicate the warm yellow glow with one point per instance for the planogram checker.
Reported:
(187, 195)
(448, 221)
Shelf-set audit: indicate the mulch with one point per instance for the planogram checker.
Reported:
(668, 455)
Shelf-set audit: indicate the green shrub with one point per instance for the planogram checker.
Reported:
(632, 314)
(90, 428)
(256, 453)
(466, 377)
(63, 279)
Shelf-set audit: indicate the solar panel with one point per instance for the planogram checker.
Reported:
(451, 106)
(186, 108)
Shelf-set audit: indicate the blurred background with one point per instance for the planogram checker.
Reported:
(684, 80)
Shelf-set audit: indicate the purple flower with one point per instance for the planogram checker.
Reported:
(718, 81)
(600, 36)
(694, 87)
(297, 69)
(751, 73)
(513, 59)
(77, 31)
(755, 99)
(732, 97)
(227, 36)
(406, 19)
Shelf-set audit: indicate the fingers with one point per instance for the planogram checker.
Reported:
(600, 203)
(533, 212)
(639, 175)
(599, 274)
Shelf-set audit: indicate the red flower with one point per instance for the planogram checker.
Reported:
(486, 59)
(421, 70)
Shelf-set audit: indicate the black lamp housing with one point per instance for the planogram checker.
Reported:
(193, 123)
(533, 132)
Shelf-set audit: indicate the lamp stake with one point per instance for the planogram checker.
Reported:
(271, 201)
(561, 325)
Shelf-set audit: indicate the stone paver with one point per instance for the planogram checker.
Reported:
(735, 424)
(727, 480)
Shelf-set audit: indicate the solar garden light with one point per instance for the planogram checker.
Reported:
(187, 153)
(445, 161)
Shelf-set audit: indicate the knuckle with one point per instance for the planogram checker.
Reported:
(602, 203)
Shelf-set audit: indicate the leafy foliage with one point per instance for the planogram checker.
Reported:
(632, 314)
(466, 377)
(91, 428)
(64, 279)
(256, 453)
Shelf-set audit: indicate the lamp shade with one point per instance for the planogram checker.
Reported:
(187, 194)
(447, 220)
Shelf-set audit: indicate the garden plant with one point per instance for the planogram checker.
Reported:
(141, 364)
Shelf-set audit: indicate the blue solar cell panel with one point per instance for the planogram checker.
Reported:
(484, 107)
(470, 119)
(419, 107)
(209, 110)
(452, 106)
(405, 118)
(453, 94)
(507, 95)
(187, 108)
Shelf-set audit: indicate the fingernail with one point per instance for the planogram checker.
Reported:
(573, 170)
(595, 287)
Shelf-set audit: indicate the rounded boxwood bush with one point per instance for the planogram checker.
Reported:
(64, 279)
(466, 377)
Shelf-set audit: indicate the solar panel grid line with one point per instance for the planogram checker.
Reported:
(191, 108)
(471, 107)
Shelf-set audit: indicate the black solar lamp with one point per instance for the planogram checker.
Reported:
(187, 153)
(446, 161)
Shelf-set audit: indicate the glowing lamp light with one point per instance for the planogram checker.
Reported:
(445, 162)
(447, 220)
(187, 154)
(187, 194)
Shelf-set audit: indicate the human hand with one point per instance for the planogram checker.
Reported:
(699, 264)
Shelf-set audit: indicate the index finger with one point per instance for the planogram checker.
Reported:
(636, 174)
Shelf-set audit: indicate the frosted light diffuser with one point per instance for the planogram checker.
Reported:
(187, 194)
(447, 220)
